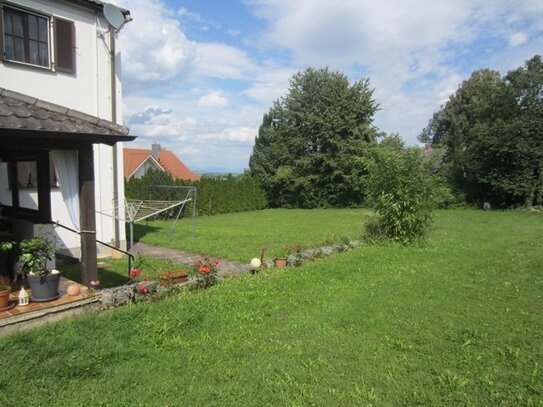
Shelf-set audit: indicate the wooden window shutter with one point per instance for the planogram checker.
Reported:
(64, 34)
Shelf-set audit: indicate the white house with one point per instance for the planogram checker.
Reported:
(60, 115)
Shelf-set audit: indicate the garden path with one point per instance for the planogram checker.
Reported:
(225, 267)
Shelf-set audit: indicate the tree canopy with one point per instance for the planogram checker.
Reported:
(492, 130)
(310, 143)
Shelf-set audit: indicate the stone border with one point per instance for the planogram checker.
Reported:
(119, 296)
(297, 259)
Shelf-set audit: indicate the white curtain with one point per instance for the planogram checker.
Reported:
(67, 170)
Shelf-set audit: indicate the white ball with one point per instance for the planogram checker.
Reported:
(256, 263)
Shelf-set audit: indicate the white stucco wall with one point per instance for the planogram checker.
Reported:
(89, 91)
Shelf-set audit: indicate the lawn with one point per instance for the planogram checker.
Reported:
(116, 273)
(240, 236)
(455, 322)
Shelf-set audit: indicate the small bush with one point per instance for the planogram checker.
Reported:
(401, 190)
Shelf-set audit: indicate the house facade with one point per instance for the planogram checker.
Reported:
(60, 101)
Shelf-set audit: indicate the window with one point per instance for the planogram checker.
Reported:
(27, 174)
(25, 186)
(27, 38)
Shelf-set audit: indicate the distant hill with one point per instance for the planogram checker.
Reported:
(217, 171)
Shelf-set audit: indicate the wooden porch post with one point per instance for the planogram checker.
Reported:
(89, 270)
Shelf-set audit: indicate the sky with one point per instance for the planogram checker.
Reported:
(198, 75)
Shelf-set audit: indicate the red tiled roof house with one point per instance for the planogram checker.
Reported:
(138, 161)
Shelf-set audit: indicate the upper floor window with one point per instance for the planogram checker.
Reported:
(30, 38)
(26, 37)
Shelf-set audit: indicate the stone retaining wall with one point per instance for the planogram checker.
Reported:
(118, 296)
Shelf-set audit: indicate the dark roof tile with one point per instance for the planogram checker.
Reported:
(18, 111)
(51, 107)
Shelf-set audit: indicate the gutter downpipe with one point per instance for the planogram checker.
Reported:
(117, 240)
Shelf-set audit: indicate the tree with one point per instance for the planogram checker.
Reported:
(309, 147)
(491, 129)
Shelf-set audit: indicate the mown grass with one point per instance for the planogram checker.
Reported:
(240, 236)
(455, 322)
(116, 274)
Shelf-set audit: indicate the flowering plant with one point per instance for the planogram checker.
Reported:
(134, 273)
(141, 286)
(207, 268)
(95, 285)
(292, 248)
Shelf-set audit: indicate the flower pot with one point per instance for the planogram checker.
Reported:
(44, 288)
(280, 262)
(173, 277)
(4, 299)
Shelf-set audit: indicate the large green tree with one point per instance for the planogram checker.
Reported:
(492, 130)
(309, 147)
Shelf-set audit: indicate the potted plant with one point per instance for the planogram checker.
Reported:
(34, 255)
(288, 250)
(5, 291)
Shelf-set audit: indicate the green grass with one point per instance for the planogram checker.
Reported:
(455, 322)
(117, 273)
(240, 236)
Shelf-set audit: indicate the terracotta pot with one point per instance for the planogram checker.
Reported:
(4, 299)
(173, 277)
(280, 262)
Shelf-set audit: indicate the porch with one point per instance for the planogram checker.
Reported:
(44, 146)
(21, 317)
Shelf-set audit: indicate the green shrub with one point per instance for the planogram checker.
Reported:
(215, 195)
(401, 190)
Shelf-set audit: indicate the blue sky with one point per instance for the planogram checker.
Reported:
(199, 75)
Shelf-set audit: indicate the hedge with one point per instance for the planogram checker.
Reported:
(215, 195)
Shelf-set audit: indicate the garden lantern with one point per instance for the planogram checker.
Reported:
(255, 265)
(24, 299)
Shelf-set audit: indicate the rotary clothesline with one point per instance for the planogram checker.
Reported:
(136, 210)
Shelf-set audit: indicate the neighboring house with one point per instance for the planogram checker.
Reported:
(60, 105)
(138, 161)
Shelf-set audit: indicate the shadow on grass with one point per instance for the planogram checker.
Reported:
(108, 278)
(140, 230)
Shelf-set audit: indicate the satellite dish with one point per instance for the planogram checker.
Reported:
(114, 16)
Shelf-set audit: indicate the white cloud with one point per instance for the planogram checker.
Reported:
(518, 38)
(155, 49)
(216, 60)
(233, 32)
(271, 84)
(213, 99)
(243, 134)
(410, 50)
(416, 53)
